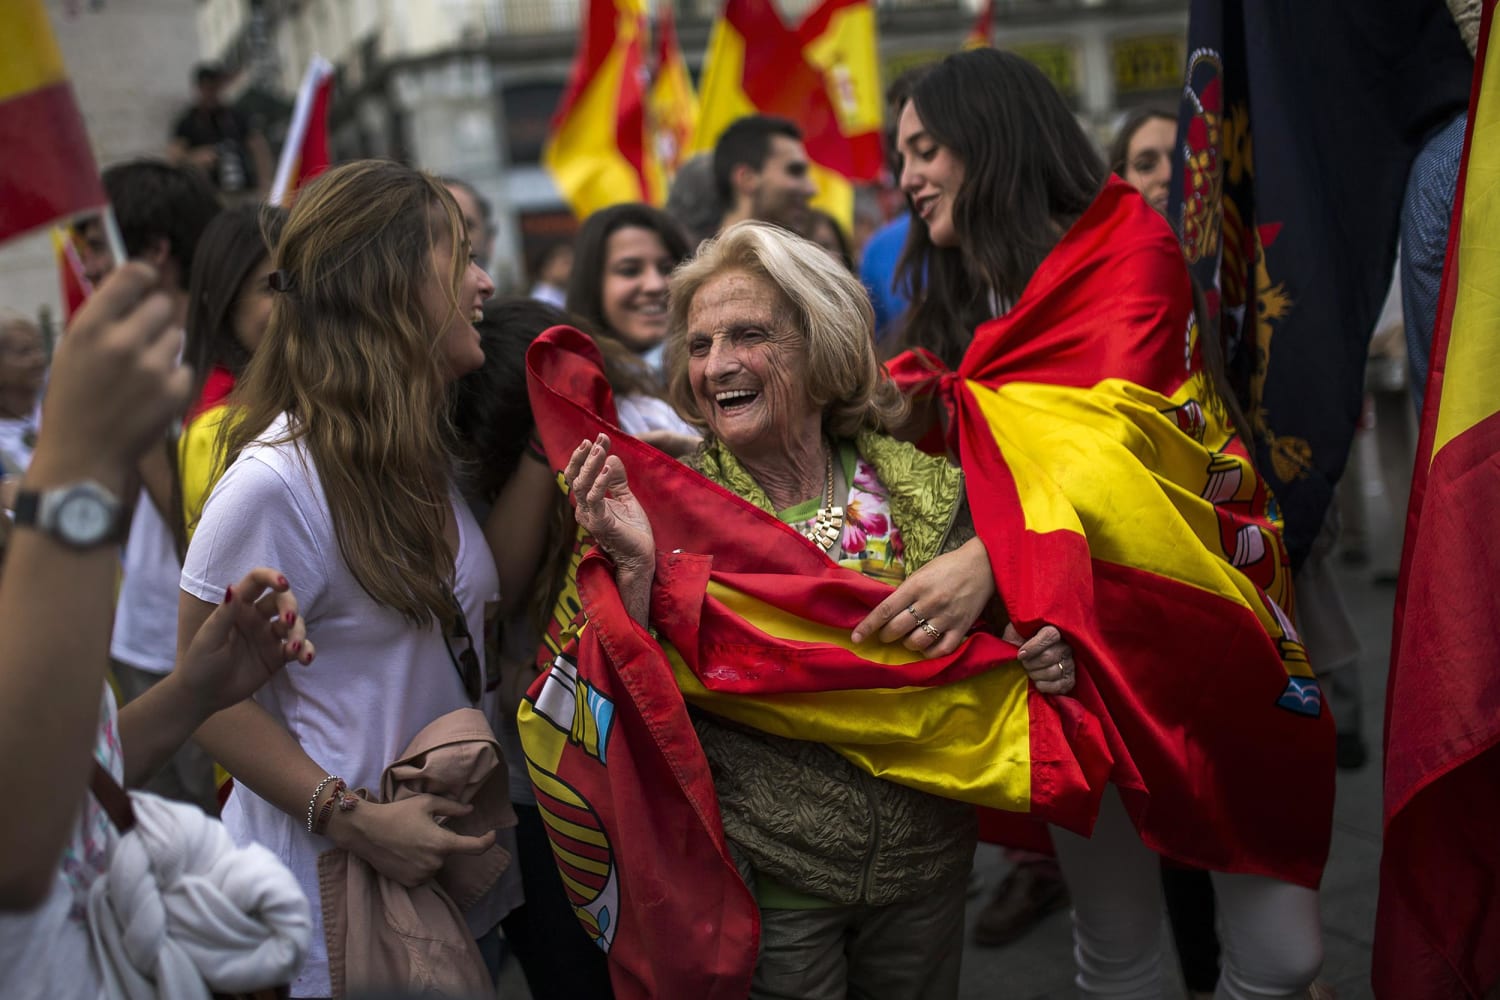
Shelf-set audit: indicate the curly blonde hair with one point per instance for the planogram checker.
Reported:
(825, 303)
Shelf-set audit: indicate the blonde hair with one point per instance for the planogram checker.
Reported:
(349, 354)
(825, 304)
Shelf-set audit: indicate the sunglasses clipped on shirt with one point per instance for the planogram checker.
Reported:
(466, 660)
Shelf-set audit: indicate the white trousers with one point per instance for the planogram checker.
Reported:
(1269, 931)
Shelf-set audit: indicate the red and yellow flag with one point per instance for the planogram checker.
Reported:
(305, 154)
(982, 35)
(671, 107)
(74, 284)
(47, 171)
(1117, 505)
(824, 76)
(1437, 929)
(597, 151)
(754, 623)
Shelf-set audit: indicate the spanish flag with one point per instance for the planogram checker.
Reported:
(982, 35)
(671, 107)
(1437, 929)
(754, 623)
(1117, 504)
(597, 152)
(47, 171)
(824, 76)
(74, 284)
(305, 154)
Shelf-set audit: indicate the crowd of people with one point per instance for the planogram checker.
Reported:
(354, 463)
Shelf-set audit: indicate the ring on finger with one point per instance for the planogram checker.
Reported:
(929, 629)
(911, 609)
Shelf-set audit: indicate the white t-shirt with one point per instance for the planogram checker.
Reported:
(377, 679)
(45, 954)
(640, 413)
(145, 631)
(17, 441)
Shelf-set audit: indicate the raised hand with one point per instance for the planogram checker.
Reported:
(606, 508)
(244, 642)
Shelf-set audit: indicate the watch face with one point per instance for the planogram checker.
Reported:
(83, 518)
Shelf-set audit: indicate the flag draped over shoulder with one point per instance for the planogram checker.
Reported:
(671, 107)
(755, 623)
(47, 171)
(824, 76)
(305, 154)
(1298, 126)
(1117, 506)
(1437, 930)
(596, 152)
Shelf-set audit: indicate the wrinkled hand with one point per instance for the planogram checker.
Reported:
(606, 508)
(1047, 660)
(405, 840)
(244, 642)
(115, 382)
(948, 594)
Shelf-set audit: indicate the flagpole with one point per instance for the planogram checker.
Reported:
(112, 235)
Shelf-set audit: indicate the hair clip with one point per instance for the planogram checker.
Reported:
(279, 281)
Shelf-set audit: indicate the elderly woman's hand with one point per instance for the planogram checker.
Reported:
(935, 607)
(1047, 660)
(607, 509)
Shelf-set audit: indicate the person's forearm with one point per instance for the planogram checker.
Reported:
(516, 530)
(155, 725)
(56, 607)
(635, 591)
(260, 754)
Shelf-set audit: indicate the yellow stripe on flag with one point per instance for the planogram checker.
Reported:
(29, 56)
(721, 95)
(1472, 372)
(794, 628)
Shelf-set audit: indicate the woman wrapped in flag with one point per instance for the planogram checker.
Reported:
(1059, 361)
(859, 881)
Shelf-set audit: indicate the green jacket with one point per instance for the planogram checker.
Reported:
(797, 811)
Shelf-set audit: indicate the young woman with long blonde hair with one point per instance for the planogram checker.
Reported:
(340, 473)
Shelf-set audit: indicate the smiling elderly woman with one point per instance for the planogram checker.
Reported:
(860, 880)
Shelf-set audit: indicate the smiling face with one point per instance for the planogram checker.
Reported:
(746, 368)
(23, 358)
(931, 176)
(458, 339)
(636, 267)
(781, 190)
(1148, 160)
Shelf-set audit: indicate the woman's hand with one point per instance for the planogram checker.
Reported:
(606, 508)
(934, 608)
(1047, 660)
(244, 642)
(405, 841)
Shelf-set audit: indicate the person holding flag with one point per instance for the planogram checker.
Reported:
(1058, 344)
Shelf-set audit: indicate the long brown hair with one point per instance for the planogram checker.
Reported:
(351, 358)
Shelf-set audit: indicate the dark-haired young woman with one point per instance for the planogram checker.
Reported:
(1079, 395)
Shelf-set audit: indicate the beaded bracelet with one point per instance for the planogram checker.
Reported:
(312, 803)
(321, 823)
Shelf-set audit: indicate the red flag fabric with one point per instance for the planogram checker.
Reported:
(305, 154)
(982, 34)
(47, 171)
(1117, 505)
(74, 284)
(1437, 928)
(755, 623)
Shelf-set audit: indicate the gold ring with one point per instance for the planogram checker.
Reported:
(927, 627)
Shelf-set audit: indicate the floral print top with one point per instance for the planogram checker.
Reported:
(871, 542)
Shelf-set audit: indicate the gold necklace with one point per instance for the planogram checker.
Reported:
(828, 525)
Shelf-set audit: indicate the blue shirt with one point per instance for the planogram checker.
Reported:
(1425, 214)
(877, 269)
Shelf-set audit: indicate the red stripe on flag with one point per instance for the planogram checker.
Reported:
(47, 171)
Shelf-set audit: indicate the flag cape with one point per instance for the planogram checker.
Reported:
(824, 76)
(48, 171)
(755, 623)
(74, 284)
(1117, 506)
(1298, 127)
(1437, 929)
(671, 107)
(305, 153)
(596, 152)
(982, 35)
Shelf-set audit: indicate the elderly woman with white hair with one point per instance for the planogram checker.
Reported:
(860, 881)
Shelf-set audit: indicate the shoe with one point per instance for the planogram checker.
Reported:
(1349, 751)
(1027, 894)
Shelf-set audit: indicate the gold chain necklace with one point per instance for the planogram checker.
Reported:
(828, 525)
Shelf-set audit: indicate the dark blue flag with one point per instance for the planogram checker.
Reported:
(1298, 125)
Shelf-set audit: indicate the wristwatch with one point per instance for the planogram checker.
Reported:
(80, 515)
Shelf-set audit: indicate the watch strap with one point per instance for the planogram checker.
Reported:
(28, 506)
